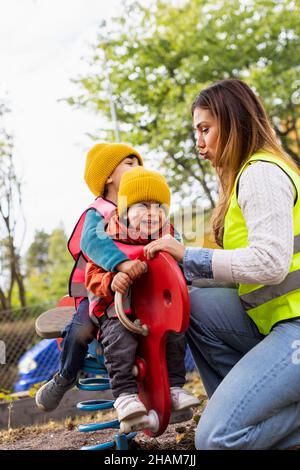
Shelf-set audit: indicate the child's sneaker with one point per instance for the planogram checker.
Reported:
(49, 395)
(181, 399)
(129, 406)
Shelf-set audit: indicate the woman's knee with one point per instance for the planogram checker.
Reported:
(202, 307)
(206, 437)
(208, 306)
(212, 435)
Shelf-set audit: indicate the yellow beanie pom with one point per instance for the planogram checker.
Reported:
(102, 160)
(139, 185)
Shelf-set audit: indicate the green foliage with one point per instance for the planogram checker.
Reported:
(160, 56)
(49, 265)
(7, 397)
(34, 389)
(11, 217)
(37, 255)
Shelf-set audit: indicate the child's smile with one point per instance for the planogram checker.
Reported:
(146, 217)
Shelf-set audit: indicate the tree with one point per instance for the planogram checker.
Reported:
(159, 56)
(60, 263)
(10, 215)
(37, 255)
(48, 266)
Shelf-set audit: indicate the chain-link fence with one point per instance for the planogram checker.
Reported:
(25, 359)
(18, 336)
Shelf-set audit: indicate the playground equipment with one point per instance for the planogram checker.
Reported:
(160, 303)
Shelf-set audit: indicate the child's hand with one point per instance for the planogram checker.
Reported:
(133, 268)
(120, 283)
(166, 243)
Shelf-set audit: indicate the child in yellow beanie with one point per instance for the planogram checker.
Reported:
(105, 165)
(141, 216)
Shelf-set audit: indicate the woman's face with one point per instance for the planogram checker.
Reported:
(207, 133)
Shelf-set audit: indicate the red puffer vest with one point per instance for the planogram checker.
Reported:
(77, 287)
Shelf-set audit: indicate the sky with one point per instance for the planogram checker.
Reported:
(41, 46)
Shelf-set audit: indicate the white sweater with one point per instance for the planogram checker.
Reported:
(266, 198)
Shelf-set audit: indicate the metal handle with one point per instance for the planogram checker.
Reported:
(135, 327)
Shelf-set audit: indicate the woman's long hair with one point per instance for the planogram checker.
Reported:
(244, 129)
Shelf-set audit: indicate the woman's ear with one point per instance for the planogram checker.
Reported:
(109, 180)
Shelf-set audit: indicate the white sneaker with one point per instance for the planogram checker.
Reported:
(181, 399)
(129, 406)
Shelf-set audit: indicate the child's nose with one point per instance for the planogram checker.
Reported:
(153, 211)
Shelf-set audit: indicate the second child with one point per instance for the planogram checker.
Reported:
(105, 164)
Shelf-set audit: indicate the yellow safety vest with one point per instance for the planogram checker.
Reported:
(269, 304)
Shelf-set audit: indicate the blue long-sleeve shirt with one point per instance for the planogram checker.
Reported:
(98, 246)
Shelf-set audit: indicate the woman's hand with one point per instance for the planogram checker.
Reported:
(166, 243)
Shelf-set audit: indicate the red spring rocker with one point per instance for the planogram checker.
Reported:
(160, 303)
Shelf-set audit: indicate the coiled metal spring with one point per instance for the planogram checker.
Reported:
(95, 365)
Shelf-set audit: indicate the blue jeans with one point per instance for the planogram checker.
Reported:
(76, 338)
(252, 381)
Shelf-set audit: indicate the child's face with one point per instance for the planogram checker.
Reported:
(146, 217)
(127, 164)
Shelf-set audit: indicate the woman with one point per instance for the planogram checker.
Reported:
(246, 341)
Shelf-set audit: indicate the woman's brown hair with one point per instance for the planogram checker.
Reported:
(244, 129)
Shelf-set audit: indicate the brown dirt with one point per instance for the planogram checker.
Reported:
(65, 436)
(176, 437)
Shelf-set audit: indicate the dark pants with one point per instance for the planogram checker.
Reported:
(76, 338)
(120, 347)
(119, 350)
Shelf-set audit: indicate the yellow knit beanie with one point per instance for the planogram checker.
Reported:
(139, 185)
(102, 160)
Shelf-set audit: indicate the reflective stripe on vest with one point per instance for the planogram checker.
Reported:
(266, 304)
(110, 310)
(297, 244)
(267, 293)
(77, 287)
